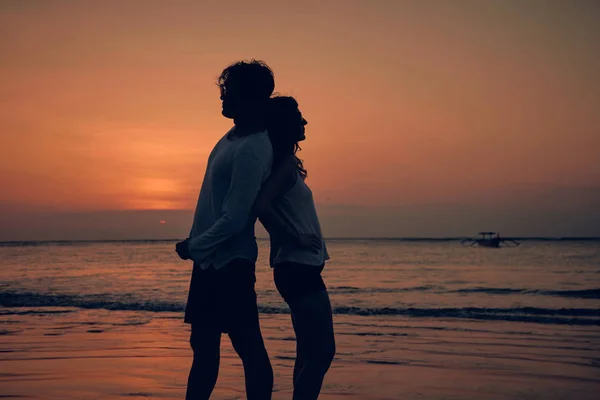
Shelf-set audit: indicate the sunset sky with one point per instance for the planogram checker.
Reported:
(426, 118)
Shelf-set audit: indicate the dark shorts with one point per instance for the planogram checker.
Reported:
(224, 299)
(294, 281)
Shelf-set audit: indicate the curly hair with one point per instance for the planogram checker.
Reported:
(282, 125)
(254, 78)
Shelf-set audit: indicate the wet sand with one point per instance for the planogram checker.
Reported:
(79, 354)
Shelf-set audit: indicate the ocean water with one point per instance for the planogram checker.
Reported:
(413, 320)
(540, 282)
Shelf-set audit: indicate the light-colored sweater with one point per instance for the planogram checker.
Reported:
(223, 227)
(296, 208)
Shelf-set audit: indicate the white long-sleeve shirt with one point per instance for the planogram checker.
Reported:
(223, 227)
(296, 207)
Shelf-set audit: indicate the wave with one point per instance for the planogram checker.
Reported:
(99, 301)
(352, 289)
(563, 316)
(578, 294)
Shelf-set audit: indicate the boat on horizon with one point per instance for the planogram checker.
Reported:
(490, 239)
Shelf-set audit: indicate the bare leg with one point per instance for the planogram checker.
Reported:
(313, 324)
(206, 344)
(248, 343)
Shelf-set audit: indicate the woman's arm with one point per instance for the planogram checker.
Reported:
(273, 187)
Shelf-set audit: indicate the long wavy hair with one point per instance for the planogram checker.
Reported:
(285, 127)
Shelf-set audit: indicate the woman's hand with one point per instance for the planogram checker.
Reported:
(182, 249)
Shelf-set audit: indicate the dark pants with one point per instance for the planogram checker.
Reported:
(223, 298)
(303, 289)
(224, 301)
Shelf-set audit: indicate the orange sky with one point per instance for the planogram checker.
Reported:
(111, 105)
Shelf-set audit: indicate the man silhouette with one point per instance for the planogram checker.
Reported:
(222, 245)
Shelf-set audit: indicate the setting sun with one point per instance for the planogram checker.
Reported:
(451, 112)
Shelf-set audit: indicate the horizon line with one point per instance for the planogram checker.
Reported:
(405, 238)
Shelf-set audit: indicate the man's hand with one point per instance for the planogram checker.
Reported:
(182, 249)
(308, 240)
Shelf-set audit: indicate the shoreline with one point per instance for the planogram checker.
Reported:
(136, 355)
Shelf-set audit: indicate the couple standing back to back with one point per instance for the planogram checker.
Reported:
(253, 172)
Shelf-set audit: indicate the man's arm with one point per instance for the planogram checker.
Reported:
(273, 187)
(249, 165)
